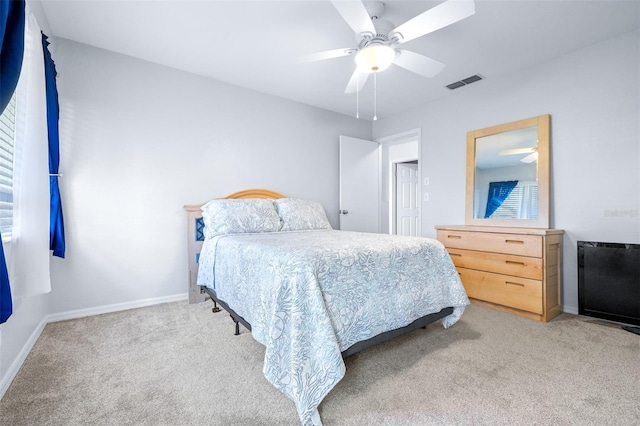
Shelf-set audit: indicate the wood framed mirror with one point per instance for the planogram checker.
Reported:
(508, 174)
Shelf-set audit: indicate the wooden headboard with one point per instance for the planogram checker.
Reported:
(195, 235)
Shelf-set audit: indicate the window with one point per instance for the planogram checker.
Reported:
(7, 137)
(521, 203)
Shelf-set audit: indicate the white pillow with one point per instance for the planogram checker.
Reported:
(236, 216)
(301, 215)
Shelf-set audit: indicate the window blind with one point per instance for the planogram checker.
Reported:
(7, 138)
(512, 206)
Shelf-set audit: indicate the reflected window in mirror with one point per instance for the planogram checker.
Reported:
(518, 202)
(506, 185)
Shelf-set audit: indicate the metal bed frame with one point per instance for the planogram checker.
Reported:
(358, 347)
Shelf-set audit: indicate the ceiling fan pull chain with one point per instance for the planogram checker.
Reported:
(358, 96)
(375, 94)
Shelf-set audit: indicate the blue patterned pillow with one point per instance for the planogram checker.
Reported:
(301, 215)
(239, 216)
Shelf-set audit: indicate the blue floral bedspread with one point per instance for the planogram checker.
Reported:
(310, 295)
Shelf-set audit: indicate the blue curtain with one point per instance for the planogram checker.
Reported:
(56, 220)
(498, 192)
(12, 48)
(11, 53)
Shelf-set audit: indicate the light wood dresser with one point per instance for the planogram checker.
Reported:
(516, 270)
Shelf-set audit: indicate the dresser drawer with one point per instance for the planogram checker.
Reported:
(515, 292)
(514, 244)
(518, 266)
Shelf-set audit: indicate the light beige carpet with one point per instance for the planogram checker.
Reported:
(179, 364)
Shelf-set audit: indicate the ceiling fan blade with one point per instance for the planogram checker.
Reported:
(357, 81)
(356, 16)
(433, 19)
(417, 63)
(517, 151)
(530, 158)
(327, 54)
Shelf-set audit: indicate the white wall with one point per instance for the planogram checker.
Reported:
(139, 141)
(593, 98)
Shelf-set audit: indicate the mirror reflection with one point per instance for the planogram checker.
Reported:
(506, 175)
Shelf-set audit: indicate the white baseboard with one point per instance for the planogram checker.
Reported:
(5, 382)
(80, 313)
(17, 363)
(570, 309)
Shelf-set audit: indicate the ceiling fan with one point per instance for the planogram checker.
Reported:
(378, 40)
(533, 153)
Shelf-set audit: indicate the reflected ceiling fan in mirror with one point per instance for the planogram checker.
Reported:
(378, 41)
(533, 154)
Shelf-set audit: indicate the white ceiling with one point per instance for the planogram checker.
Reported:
(257, 44)
(489, 149)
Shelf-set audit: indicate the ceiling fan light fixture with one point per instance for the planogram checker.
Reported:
(375, 58)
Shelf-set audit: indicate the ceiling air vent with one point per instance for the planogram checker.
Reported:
(464, 82)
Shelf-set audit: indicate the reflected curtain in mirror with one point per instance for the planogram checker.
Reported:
(498, 192)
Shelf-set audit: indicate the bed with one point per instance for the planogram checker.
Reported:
(310, 294)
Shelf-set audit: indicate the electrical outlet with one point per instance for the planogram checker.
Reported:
(426, 196)
(426, 181)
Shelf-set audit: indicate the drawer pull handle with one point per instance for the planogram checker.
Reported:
(514, 262)
(455, 254)
(456, 237)
(514, 283)
(514, 241)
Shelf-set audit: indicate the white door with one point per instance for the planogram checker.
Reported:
(359, 185)
(407, 198)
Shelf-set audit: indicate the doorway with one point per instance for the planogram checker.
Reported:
(407, 204)
(399, 151)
